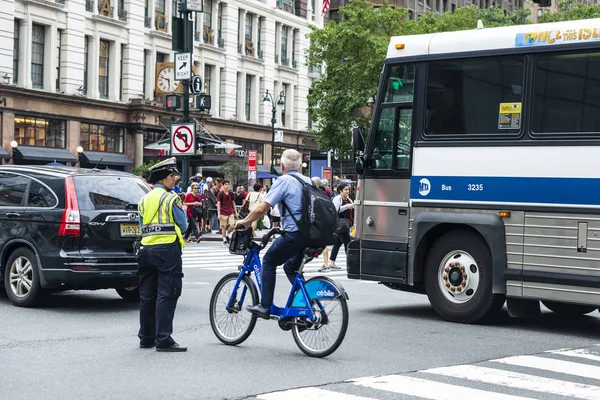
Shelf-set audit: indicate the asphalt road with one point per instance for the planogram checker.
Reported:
(83, 345)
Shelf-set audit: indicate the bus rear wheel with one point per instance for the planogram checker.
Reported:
(567, 309)
(458, 278)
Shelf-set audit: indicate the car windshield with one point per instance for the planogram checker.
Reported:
(110, 192)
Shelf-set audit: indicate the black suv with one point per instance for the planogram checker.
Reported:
(65, 228)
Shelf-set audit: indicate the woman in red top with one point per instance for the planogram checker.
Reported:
(192, 200)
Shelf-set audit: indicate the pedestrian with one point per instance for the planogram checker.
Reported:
(253, 200)
(192, 180)
(225, 210)
(345, 208)
(286, 249)
(327, 188)
(210, 199)
(325, 267)
(193, 201)
(162, 221)
(239, 200)
(177, 188)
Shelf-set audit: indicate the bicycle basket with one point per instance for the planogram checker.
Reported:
(239, 242)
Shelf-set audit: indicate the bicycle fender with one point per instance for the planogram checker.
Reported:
(319, 287)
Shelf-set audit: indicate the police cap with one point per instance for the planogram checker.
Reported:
(161, 170)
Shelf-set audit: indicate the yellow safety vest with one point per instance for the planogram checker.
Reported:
(158, 225)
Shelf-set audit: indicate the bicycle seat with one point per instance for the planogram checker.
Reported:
(312, 251)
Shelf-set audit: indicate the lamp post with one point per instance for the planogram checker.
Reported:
(280, 102)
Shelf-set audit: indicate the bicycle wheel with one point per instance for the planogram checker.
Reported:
(322, 338)
(233, 326)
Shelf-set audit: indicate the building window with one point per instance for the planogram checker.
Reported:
(31, 131)
(153, 137)
(248, 102)
(161, 57)
(259, 29)
(145, 72)
(252, 146)
(38, 33)
(277, 152)
(207, 79)
(174, 9)
(283, 109)
(160, 6)
(102, 138)
(293, 47)
(284, 43)
(103, 69)
(16, 52)
(58, 49)
(220, 21)
(248, 32)
(86, 43)
(121, 73)
(207, 17)
(463, 96)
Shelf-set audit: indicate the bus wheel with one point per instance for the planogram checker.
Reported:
(568, 310)
(458, 278)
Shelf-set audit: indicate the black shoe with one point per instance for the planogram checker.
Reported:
(146, 345)
(259, 311)
(174, 348)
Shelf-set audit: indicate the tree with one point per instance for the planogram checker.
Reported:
(235, 172)
(141, 170)
(353, 51)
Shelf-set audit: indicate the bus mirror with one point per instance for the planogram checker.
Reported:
(360, 165)
(358, 139)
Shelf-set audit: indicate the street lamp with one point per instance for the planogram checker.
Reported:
(280, 102)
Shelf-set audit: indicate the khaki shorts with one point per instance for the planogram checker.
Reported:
(226, 220)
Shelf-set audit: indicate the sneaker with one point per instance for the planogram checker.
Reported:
(225, 243)
(227, 239)
(323, 269)
(333, 266)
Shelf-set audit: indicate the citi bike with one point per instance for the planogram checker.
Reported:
(316, 310)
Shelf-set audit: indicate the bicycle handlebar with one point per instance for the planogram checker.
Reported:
(265, 238)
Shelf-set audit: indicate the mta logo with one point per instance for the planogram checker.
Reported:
(424, 187)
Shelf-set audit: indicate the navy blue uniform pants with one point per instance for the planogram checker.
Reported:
(159, 282)
(286, 250)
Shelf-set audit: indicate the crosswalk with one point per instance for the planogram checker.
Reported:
(556, 374)
(213, 256)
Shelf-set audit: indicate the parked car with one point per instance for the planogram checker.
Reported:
(65, 228)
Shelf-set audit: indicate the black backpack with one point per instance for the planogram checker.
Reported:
(319, 216)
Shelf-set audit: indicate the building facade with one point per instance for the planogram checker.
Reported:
(538, 9)
(93, 74)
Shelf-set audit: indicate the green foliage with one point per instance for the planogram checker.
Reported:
(141, 170)
(569, 10)
(235, 172)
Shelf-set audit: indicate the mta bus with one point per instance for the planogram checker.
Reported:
(480, 178)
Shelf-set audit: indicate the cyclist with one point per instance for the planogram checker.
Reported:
(287, 249)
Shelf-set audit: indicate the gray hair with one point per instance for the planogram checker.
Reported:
(291, 159)
(317, 181)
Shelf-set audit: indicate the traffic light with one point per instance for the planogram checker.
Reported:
(173, 102)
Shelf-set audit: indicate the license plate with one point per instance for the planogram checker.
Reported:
(130, 230)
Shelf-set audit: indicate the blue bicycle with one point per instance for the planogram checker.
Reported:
(316, 310)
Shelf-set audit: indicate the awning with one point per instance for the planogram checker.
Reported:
(165, 144)
(106, 158)
(267, 169)
(34, 153)
(265, 175)
(3, 153)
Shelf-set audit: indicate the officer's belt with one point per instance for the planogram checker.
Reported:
(158, 229)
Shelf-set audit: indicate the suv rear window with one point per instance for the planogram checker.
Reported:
(108, 192)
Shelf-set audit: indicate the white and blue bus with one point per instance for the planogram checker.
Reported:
(480, 178)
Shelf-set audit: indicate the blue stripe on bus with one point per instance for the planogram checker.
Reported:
(575, 191)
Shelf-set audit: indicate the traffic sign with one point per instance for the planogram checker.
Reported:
(196, 84)
(183, 139)
(203, 102)
(183, 66)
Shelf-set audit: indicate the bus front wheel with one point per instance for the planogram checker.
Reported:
(458, 278)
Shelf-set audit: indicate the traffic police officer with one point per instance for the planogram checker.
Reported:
(162, 220)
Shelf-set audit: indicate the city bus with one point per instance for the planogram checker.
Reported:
(480, 177)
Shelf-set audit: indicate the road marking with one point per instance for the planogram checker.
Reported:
(519, 381)
(429, 389)
(550, 364)
(310, 393)
(581, 353)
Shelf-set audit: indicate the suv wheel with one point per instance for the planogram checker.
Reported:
(129, 293)
(21, 278)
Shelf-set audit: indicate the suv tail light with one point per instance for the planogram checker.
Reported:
(70, 223)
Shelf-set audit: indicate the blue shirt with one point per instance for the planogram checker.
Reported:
(178, 214)
(288, 189)
(176, 189)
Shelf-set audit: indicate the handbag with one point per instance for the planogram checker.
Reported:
(342, 226)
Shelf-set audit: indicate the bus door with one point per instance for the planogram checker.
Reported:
(385, 190)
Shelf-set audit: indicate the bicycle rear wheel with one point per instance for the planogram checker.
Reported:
(233, 326)
(322, 338)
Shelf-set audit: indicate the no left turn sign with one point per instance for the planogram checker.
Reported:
(183, 139)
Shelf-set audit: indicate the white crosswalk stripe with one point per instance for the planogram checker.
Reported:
(570, 373)
(213, 256)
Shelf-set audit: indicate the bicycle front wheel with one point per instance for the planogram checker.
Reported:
(235, 324)
(323, 337)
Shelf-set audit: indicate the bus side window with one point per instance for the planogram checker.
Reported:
(384, 140)
(404, 139)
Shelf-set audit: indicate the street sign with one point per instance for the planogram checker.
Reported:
(183, 139)
(194, 5)
(203, 102)
(196, 84)
(279, 136)
(183, 66)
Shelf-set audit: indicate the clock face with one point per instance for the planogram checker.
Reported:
(166, 80)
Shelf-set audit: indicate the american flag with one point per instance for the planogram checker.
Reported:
(326, 4)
